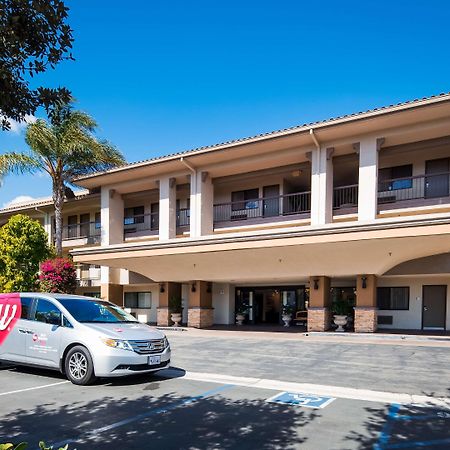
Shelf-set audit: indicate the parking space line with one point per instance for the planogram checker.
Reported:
(321, 390)
(386, 431)
(18, 391)
(145, 415)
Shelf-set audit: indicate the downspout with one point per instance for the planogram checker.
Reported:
(193, 196)
(314, 138)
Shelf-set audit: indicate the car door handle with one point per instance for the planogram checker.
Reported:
(23, 330)
(425, 308)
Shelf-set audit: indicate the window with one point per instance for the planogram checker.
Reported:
(138, 300)
(84, 225)
(98, 220)
(389, 175)
(47, 312)
(134, 215)
(72, 226)
(26, 305)
(393, 298)
(247, 199)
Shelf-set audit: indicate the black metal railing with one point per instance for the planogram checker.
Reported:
(282, 205)
(345, 196)
(183, 217)
(89, 230)
(141, 222)
(414, 188)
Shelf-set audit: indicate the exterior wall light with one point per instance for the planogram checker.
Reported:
(209, 288)
(364, 282)
(193, 288)
(316, 284)
(161, 288)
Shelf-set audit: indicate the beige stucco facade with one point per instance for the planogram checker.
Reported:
(348, 201)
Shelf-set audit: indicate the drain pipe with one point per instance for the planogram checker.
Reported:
(314, 138)
(193, 195)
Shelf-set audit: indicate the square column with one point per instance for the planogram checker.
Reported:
(201, 312)
(322, 186)
(167, 208)
(319, 313)
(112, 292)
(368, 178)
(202, 195)
(166, 292)
(366, 304)
(112, 213)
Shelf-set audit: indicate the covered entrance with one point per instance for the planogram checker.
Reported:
(264, 304)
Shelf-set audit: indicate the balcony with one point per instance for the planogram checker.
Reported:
(345, 199)
(419, 190)
(88, 275)
(288, 207)
(82, 233)
(183, 217)
(141, 225)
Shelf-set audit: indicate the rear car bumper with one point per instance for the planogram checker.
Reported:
(118, 363)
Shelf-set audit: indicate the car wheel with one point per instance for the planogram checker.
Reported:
(79, 366)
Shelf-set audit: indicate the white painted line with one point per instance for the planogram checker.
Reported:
(320, 390)
(33, 388)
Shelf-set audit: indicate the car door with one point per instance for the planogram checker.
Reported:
(13, 332)
(43, 342)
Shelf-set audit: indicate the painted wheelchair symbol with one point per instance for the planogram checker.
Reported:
(301, 399)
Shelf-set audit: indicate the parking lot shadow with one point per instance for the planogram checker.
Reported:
(405, 427)
(165, 422)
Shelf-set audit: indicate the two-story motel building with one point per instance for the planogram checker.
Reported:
(355, 208)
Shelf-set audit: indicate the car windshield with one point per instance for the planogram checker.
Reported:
(96, 311)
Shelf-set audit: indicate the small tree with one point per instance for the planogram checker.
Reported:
(23, 246)
(58, 276)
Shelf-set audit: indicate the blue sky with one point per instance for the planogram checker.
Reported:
(164, 76)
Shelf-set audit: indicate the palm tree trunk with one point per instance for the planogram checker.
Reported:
(58, 201)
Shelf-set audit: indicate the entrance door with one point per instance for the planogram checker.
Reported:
(434, 307)
(437, 185)
(271, 206)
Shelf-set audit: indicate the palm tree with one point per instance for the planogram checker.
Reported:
(65, 148)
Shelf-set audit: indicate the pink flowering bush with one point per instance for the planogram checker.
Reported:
(58, 276)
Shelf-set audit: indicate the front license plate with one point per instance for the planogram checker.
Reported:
(154, 360)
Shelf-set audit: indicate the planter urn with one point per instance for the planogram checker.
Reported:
(286, 318)
(240, 319)
(340, 321)
(176, 318)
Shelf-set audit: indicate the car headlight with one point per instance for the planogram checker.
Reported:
(166, 343)
(117, 343)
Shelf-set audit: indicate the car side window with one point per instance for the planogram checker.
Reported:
(66, 322)
(47, 312)
(26, 306)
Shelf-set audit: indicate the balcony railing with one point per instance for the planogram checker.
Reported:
(87, 230)
(345, 196)
(88, 275)
(431, 186)
(141, 222)
(183, 217)
(282, 205)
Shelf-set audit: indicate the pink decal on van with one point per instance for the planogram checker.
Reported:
(10, 312)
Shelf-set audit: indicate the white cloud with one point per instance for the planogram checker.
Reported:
(18, 127)
(19, 199)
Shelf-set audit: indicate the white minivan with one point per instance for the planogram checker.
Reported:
(82, 337)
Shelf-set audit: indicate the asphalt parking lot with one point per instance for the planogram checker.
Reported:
(220, 394)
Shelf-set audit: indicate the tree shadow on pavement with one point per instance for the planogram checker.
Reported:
(405, 427)
(165, 422)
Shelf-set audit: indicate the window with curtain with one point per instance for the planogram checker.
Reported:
(138, 300)
(388, 181)
(247, 199)
(393, 298)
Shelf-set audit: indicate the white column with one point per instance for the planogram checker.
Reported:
(167, 208)
(48, 227)
(202, 197)
(111, 217)
(368, 178)
(322, 186)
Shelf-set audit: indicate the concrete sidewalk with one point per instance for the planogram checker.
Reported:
(422, 340)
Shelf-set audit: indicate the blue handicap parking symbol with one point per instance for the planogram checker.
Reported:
(301, 399)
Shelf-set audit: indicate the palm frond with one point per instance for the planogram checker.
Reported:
(19, 163)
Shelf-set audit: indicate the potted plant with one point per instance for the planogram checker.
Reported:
(341, 310)
(241, 311)
(175, 309)
(286, 314)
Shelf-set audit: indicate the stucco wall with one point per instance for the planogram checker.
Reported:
(149, 312)
(412, 319)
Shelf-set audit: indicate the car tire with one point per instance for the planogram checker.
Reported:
(79, 367)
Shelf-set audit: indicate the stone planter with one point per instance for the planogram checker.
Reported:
(286, 318)
(176, 318)
(340, 321)
(240, 319)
